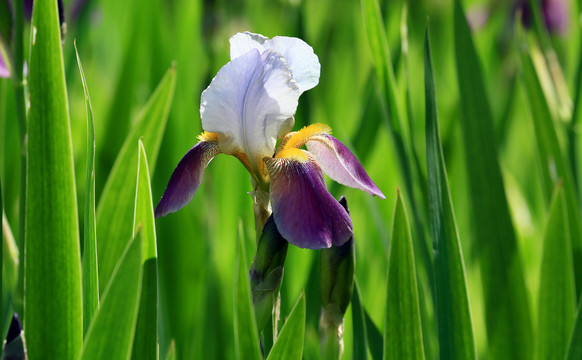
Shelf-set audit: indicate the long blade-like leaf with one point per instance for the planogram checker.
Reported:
(145, 342)
(554, 166)
(557, 299)
(54, 313)
(115, 210)
(90, 274)
(455, 328)
(575, 347)
(360, 341)
(402, 329)
(246, 335)
(289, 343)
(509, 331)
(112, 329)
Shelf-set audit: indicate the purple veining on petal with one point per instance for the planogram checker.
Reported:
(4, 73)
(304, 211)
(186, 178)
(338, 162)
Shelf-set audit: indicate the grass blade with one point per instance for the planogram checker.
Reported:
(112, 329)
(455, 327)
(557, 299)
(246, 336)
(289, 344)
(90, 273)
(145, 342)
(554, 165)
(509, 331)
(359, 321)
(115, 210)
(52, 261)
(575, 347)
(402, 332)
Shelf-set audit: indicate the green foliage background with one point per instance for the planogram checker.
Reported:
(508, 140)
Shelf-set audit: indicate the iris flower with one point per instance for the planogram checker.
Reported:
(247, 108)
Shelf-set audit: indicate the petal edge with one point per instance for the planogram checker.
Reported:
(338, 162)
(304, 211)
(186, 178)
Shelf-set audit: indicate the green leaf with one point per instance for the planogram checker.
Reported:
(554, 166)
(509, 330)
(115, 210)
(402, 329)
(54, 313)
(455, 328)
(111, 331)
(359, 332)
(557, 299)
(404, 151)
(289, 343)
(575, 347)
(246, 336)
(145, 341)
(90, 274)
(375, 340)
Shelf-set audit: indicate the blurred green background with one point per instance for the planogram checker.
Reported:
(127, 46)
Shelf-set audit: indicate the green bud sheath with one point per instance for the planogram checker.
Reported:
(336, 287)
(266, 271)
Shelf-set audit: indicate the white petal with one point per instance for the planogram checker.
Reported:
(250, 104)
(300, 56)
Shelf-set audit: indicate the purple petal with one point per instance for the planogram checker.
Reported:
(338, 162)
(4, 73)
(186, 178)
(304, 211)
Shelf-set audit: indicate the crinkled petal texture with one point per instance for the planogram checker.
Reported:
(338, 162)
(300, 56)
(186, 178)
(304, 211)
(250, 104)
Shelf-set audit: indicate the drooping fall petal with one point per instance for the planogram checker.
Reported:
(250, 104)
(300, 56)
(338, 162)
(186, 178)
(304, 211)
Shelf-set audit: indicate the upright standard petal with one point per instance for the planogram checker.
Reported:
(302, 60)
(250, 104)
(186, 178)
(338, 162)
(304, 211)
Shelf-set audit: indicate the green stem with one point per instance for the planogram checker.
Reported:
(19, 85)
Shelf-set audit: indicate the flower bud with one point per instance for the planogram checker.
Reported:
(336, 287)
(266, 272)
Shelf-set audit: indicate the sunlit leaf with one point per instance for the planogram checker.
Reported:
(115, 210)
(402, 329)
(112, 329)
(289, 343)
(554, 167)
(90, 274)
(145, 341)
(453, 313)
(52, 264)
(509, 330)
(557, 297)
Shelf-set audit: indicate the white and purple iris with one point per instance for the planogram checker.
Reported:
(247, 108)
